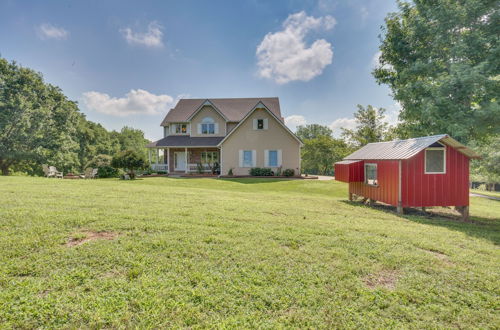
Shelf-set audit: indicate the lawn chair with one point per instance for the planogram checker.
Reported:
(90, 173)
(46, 171)
(54, 172)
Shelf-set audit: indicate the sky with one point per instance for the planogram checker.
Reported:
(126, 63)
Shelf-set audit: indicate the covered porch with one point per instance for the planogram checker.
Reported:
(184, 160)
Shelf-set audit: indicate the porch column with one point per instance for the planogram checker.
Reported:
(186, 156)
(168, 160)
(157, 155)
(149, 156)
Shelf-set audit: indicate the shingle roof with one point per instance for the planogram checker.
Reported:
(404, 149)
(186, 141)
(233, 109)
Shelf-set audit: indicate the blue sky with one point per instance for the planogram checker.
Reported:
(126, 63)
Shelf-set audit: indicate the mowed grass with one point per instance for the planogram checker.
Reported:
(163, 252)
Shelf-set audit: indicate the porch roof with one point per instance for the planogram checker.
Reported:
(186, 141)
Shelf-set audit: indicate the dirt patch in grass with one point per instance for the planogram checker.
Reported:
(383, 279)
(443, 257)
(87, 236)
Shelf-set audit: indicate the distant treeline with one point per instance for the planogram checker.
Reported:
(40, 125)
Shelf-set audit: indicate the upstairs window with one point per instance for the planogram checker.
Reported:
(180, 129)
(371, 174)
(207, 126)
(435, 160)
(260, 124)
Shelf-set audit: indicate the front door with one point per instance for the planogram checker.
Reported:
(180, 160)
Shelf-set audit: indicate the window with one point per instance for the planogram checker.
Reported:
(435, 160)
(371, 174)
(209, 157)
(181, 128)
(247, 158)
(260, 123)
(207, 126)
(273, 158)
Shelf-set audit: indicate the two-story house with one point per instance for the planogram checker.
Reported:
(237, 133)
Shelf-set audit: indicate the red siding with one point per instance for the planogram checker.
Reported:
(352, 172)
(387, 176)
(450, 189)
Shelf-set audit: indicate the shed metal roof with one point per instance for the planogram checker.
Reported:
(404, 149)
(186, 141)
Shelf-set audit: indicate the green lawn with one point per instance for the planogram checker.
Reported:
(237, 253)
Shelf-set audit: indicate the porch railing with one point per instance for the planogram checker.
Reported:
(193, 168)
(159, 167)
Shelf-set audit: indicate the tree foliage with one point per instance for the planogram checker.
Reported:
(313, 131)
(319, 154)
(38, 124)
(129, 160)
(370, 127)
(487, 169)
(441, 60)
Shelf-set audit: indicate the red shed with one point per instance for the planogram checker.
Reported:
(420, 172)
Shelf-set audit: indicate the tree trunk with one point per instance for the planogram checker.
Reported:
(5, 169)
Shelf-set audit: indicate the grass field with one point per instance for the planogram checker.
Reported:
(164, 252)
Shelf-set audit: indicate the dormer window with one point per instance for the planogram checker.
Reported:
(180, 128)
(208, 126)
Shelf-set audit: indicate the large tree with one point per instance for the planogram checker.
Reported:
(319, 154)
(441, 60)
(313, 131)
(370, 126)
(37, 122)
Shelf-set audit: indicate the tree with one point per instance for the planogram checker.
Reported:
(319, 154)
(371, 127)
(487, 169)
(129, 160)
(441, 60)
(313, 131)
(37, 122)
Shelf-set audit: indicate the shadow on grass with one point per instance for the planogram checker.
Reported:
(480, 227)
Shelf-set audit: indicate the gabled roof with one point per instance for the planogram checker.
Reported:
(404, 149)
(234, 109)
(186, 141)
(261, 105)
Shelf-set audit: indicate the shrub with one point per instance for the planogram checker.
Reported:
(289, 172)
(230, 172)
(103, 165)
(129, 160)
(258, 171)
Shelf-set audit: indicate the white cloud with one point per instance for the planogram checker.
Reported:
(137, 101)
(295, 120)
(151, 38)
(284, 56)
(49, 31)
(376, 62)
(339, 123)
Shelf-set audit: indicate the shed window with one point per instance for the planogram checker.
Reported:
(371, 174)
(435, 160)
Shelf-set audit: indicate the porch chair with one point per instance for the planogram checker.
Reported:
(90, 173)
(54, 172)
